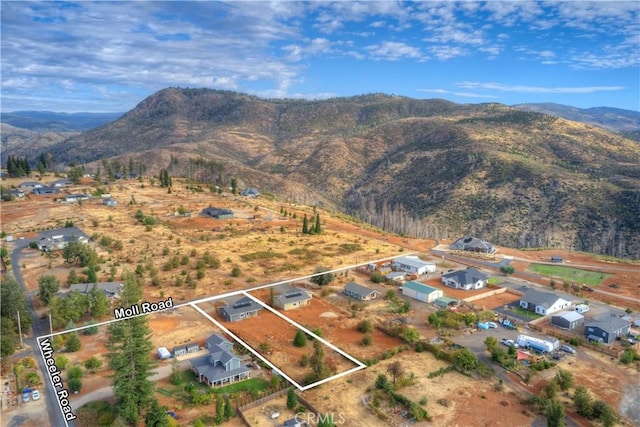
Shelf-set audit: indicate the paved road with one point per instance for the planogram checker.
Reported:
(38, 329)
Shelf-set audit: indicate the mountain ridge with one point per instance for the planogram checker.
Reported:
(425, 167)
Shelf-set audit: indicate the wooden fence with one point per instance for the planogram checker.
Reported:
(261, 400)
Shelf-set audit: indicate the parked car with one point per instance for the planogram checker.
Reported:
(35, 395)
(492, 324)
(509, 343)
(567, 349)
(26, 396)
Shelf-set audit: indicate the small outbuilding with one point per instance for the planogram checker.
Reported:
(421, 292)
(359, 292)
(163, 353)
(190, 347)
(567, 320)
(557, 259)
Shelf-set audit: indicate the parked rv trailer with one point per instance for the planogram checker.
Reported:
(537, 344)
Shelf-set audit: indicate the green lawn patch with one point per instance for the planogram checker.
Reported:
(591, 278)
(526, 313)
(251, 386)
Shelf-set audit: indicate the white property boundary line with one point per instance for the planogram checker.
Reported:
(230, 294)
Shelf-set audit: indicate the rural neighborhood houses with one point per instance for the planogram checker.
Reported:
(543, 302)
(413, 264)
(243, 308)
(465, 279)
(45, 190)
(250, 192)
(289, 298)
(29, 185)
(421, 292)
(473, 244)
(606, 329)
(61, 183)
(360, 292)
(221, 366)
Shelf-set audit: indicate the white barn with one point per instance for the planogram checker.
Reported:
(413, 264)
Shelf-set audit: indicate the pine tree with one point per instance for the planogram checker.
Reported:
(305, 225)
(219, 417)
(228, 409)
(130, 358)
(292, 399)
(156, 415)
(318, 228)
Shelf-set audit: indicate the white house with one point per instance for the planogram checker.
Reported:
(543, 302)
(465, 279)
(413, 264)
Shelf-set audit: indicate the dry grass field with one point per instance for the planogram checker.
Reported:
(191, 257)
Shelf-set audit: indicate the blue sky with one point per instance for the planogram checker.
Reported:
(108, 56)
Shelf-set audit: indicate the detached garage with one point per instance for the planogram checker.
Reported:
(567, 320)
(421, 292)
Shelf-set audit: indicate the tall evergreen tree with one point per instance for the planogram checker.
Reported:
(305, 224)
(318, 228)
(130, 358)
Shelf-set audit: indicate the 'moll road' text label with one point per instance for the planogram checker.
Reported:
(142, 308)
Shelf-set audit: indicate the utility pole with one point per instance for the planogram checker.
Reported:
(50, 325)
(20, 330)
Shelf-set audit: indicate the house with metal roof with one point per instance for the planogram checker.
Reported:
(396, 276)
(243, 308)
(465, 279)
(359, 292)
(413, 264)
(607, 329)
(110, 289)
(64, 182)
(30, 185)
(45, 190)
(421, 292)
(473, 244)
(217, 213)
(250, 192)
(289, 298)
(221, 366)
(543, 302)
(567, 320)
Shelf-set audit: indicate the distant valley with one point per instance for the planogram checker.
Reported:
(428, 168)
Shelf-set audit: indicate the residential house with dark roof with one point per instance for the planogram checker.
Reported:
(607, 329)
(289, 298)
(359, 292)
(473, 244)
(45, 190)
(221, 366)
(543, 302)
(30, 185)
(250, 192)
(110, 289)
(75, 198)
(465, 279)
(217, 213)
(243, 308)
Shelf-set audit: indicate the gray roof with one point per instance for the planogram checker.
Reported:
(360, 290)
(609, 324)
(109, 288)
(215, 212)
(468, 276)
(545, 299)
(288, 294)
(412, 261)
(216, 340)
(570, 316)
(217, 352)
(243, 305)
(472, 243)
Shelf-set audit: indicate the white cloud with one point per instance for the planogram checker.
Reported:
(537, 89)
(460, 94)
(394, 51)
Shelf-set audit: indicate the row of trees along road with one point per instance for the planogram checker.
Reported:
(129, 356)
